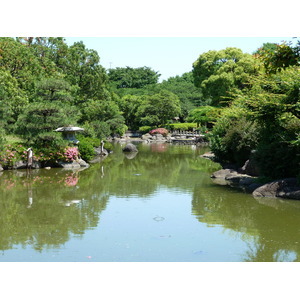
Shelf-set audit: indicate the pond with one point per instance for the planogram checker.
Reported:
(158, 205)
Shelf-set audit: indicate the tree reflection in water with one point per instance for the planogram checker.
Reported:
(44, 208)
(270, 227)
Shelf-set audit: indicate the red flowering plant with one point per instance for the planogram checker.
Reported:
(162, 131)
(68, 154)
(12, 153)
(71, 154)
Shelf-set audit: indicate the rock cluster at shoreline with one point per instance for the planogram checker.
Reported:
(287, 188)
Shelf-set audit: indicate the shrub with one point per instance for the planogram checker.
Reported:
(108, 146)
(71, 154)
(86, 147)
(11, 153)
(145, 129)
(182, 126)
(161, 131)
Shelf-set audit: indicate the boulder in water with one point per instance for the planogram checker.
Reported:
(130, 148)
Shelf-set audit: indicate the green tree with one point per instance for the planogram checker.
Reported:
(158, 109)
(278, 57)
(13, 99)
(218, 73)
(129, 105)
(204, 115)
(189, 95)
(132, 77)
(83, 69)
(40, 119)
(95, 111)
(21, 63)
(54, 89)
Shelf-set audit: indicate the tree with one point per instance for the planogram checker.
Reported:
(53, 89)
(99, 112)
(278, 57)
(204, 115)
(40, 119)
(189, 95)
(159, 108)
(132, 77)
(129, 105)
(83, 69)
(218, 73)
(12, 99)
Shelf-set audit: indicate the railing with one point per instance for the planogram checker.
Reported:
(195, 133)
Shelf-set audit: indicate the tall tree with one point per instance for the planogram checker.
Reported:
(218, 73)
(132, 77)
(159, 108)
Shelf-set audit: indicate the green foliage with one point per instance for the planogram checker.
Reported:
(189, 95)
(182, 126)
(38, 121)
(204, 115)
(11, 153)
(145, 129)
(264, 118)
(218, 73)
(129, 105)
(12, 99)
(53, 89)
(158, 109)
(234, 137)
(86, 148)
(132, 77)
(278, 57)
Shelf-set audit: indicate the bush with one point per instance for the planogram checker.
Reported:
(145, 129)
(108, 146)
(86, 147)
(233, 137)
(161, 131)
(11, 153)
(182, 126)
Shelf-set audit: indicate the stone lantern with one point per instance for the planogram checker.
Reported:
(69, 133)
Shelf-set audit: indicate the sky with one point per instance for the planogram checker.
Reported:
(169, 56)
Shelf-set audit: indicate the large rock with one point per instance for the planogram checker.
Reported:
(250, 168)
(80, 163)
(223, 173)
(130, 148)
(283, 188)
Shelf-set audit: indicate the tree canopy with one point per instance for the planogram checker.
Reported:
(218, 73)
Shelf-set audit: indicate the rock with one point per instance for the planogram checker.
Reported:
(80, 163)
(208, 155)
(130, 148)
(223, 173)
(1, 169)
(283, 188)
(99, 152)
(23, 165)
(250, 168)
(146, 136)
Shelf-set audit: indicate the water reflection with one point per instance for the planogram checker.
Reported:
(270, 227)
(44, 209)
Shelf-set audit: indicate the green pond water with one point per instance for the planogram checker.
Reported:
(160, 205)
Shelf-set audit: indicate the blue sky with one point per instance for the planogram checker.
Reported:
(170, 56)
